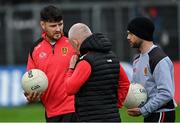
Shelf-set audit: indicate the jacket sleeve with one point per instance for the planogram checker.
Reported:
(74, 79)
(164, 79)
(30, 63)
(123, 87)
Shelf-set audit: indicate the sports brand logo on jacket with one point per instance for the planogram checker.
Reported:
(42, 55)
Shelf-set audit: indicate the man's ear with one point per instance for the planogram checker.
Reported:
(42, 25)
(75, 42)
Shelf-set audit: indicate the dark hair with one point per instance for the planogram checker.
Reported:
(51, 14)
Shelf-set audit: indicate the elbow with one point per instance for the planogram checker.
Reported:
(68, 89)
(69, 93)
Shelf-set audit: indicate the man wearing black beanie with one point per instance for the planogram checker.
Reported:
(154, 70)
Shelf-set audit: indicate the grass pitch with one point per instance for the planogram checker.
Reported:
(35, 113)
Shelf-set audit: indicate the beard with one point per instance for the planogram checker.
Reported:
(54, 37)
(57, 36)
(137, 44)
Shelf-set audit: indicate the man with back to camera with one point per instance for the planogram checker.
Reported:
(96, 78)
(52, 54)
(154, 70)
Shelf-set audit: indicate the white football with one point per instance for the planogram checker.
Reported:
(136, 97)
(34, 80)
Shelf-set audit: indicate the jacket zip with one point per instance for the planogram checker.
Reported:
(53, 47)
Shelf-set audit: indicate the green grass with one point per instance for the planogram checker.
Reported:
(27, 113)
(126, 118)
(35, 113)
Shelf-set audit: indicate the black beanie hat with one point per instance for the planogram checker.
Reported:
(142, 27)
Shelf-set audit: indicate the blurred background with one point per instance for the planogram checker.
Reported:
(19, 28)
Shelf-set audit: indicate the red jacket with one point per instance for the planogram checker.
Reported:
(54, 61)
(76, 78)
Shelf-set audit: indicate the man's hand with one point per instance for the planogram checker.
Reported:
(33, 97)
(73, 61)
(134, 112)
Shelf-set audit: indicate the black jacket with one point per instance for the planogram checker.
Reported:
(96, 100)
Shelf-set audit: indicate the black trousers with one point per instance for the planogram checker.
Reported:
(160, 117)
(71, 117)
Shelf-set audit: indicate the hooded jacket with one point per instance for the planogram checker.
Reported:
(97, 99)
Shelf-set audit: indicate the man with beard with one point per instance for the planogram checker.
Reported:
(52, 54)
(154, 70)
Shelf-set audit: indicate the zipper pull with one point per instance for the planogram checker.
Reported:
(53, 47)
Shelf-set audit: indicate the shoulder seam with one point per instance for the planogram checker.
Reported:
(34, 45)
